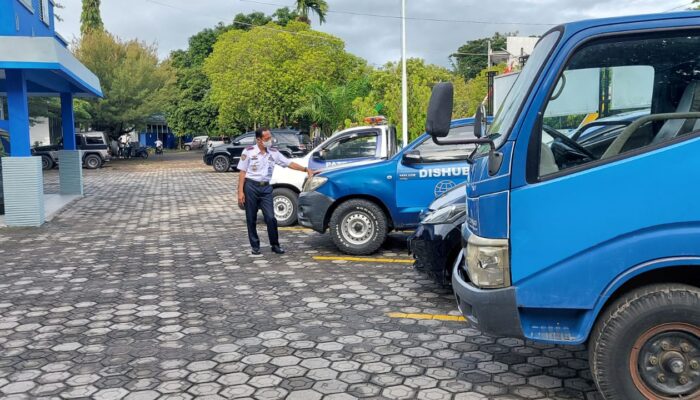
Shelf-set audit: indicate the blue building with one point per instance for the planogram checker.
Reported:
(35, 61)
(157, 129)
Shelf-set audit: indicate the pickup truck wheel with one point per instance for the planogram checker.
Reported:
(92, 161)
(46, 162)
(221, 164)
(646, 345)
(284, 202)
(358, 227)
(188, 148)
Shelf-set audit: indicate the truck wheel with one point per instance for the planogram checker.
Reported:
(46, 162)
(285, 203)
(646, 345)
(358, 227)
(92, 161)
(221, 164)
(188, 148)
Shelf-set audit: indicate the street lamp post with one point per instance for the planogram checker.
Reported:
(404, 77)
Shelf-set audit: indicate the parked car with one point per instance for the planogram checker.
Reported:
(349, 147)
(225, 157)
(217, 141)
(361, 204)
(437, 241)
(198, 142)
(94, 147)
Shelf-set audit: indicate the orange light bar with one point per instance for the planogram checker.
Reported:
(377, 120)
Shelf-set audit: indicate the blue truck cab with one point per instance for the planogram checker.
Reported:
(581, 234)
(361, 204)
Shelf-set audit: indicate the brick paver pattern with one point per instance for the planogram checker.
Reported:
(145, 289)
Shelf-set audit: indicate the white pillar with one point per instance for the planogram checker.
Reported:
(70, 172)
(23, 187)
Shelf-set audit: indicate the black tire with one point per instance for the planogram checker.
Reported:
(144, 154)
(92, 161)
(47, 163)
(285, 203)
(358, 227)
(628, 331)
(188, 148)
(221, 163)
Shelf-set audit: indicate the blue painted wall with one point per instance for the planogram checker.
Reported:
(149, 139)
(16, 19)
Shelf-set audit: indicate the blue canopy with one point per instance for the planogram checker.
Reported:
(49, 67)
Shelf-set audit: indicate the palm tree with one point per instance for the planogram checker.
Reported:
(319, 7)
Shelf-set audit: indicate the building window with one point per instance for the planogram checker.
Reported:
(44, 5)
(28, 4)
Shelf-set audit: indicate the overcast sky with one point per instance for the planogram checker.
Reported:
(169, 23)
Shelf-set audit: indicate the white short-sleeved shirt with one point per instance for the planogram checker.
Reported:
(259, 166)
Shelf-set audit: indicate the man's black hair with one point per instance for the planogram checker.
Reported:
(259, 132)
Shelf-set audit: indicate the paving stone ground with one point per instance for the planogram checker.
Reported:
(145, 289)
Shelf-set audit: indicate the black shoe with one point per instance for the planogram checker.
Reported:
(278, 250)
(255, 252)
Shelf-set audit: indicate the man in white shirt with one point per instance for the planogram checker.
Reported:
(254, 190)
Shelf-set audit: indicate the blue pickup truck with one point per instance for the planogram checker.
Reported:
(362, 204)
(592, 238)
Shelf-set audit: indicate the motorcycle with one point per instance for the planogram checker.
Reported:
(133, 151)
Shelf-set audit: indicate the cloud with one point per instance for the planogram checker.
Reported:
(169, 23)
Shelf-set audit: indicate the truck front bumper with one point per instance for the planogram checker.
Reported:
(313, 207)
(493, 311)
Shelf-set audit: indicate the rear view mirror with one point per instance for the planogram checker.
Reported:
(411, 157)
(480, 121)
(317, 155)
(440, 110)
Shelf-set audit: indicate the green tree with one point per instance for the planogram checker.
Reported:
(192, 110)
(330, 107)
(385, 94)
(306, 7)
(470, 94)
(284, 15)
(135, 84)
(471, 57)
(90, 18)
(261, 76)
(248, 21)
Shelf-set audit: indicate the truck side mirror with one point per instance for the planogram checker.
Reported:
(411, 157)
(480, 121)
(439, 117)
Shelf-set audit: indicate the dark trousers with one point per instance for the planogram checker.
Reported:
(260, 197)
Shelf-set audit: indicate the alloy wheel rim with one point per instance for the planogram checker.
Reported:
(220, 164)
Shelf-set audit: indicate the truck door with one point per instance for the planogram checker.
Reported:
(599, 183)
(428, 170)
(347, 148)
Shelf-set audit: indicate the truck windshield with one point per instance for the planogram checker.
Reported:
(506, 115)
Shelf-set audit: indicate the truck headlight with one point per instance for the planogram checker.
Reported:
(445, 215)
(488, 262)
(314, 183)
